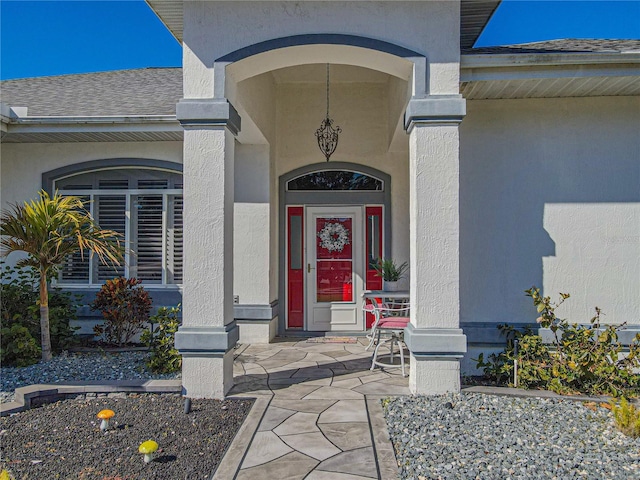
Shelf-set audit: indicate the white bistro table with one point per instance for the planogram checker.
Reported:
(400, 294)
(385, 296)
(369, 301)
(383, 303)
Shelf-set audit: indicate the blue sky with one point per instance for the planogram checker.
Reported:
(50, 37)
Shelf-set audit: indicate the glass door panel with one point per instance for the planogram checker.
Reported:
(334, 259)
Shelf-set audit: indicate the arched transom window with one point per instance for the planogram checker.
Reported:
(335, 180)
(145, 206)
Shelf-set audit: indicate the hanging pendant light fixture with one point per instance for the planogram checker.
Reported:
(327, 135)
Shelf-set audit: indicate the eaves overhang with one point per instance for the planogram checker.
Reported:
(63, 129)
(505, 76)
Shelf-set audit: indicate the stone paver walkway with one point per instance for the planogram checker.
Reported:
(323, 417)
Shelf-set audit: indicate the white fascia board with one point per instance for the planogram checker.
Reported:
(150, 123)
(523, 67)
(528, 59)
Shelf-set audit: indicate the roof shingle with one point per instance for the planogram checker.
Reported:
(568, 45)
(147, 91)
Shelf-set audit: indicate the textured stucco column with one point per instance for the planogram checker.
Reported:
(208, 332)
(434, 338)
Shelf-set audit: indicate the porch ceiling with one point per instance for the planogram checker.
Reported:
(474, 16)
(316, 73)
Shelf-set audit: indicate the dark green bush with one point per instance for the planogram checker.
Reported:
(125, 307)
(19, 348)
(19, 305)
(161, 341)
(582, 359)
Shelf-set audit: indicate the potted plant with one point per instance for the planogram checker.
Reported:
(390, 273)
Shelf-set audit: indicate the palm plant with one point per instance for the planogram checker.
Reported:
(48, 230)
(388, 270)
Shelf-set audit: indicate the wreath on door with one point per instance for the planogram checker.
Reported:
(334, 236)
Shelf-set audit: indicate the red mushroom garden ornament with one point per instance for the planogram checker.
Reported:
(149, 449)
(105, 416)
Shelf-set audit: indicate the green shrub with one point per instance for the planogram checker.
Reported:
(161, 341)
(125, 307)
(499, 367)
(581, 359)
(626, 417)
(19, 295)
(18, 347)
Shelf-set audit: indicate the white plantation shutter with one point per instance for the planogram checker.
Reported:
(75, 268)
(148, 238)
(110, 213)
(174, 240)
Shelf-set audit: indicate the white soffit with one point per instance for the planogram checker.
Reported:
(92, 129)
(549, 75)
(170, 13)
(316, 73)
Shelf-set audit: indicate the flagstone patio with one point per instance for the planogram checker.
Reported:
(323, 416)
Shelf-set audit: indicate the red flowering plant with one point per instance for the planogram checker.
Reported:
(125, 307)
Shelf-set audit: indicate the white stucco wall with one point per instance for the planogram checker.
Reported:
(251, 225)
(22, 165)
(430, 28)
(550, 196)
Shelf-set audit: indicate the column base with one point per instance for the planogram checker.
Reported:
(207, 376)
(433, 375)
(207, 360)
(435, 359)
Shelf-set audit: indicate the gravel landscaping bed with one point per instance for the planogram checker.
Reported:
(474, 436)
(79, 366)
(63, 440)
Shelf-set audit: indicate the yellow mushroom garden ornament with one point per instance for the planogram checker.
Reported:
(149, 448)
(105, 416)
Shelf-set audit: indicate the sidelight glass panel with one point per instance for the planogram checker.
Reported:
(295, 237)
(373, 238)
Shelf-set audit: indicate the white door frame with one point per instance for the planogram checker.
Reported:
(334, 316)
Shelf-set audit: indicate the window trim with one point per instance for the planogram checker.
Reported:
(50, 177)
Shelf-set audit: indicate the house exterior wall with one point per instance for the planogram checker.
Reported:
(549, 196)
(431, 28)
